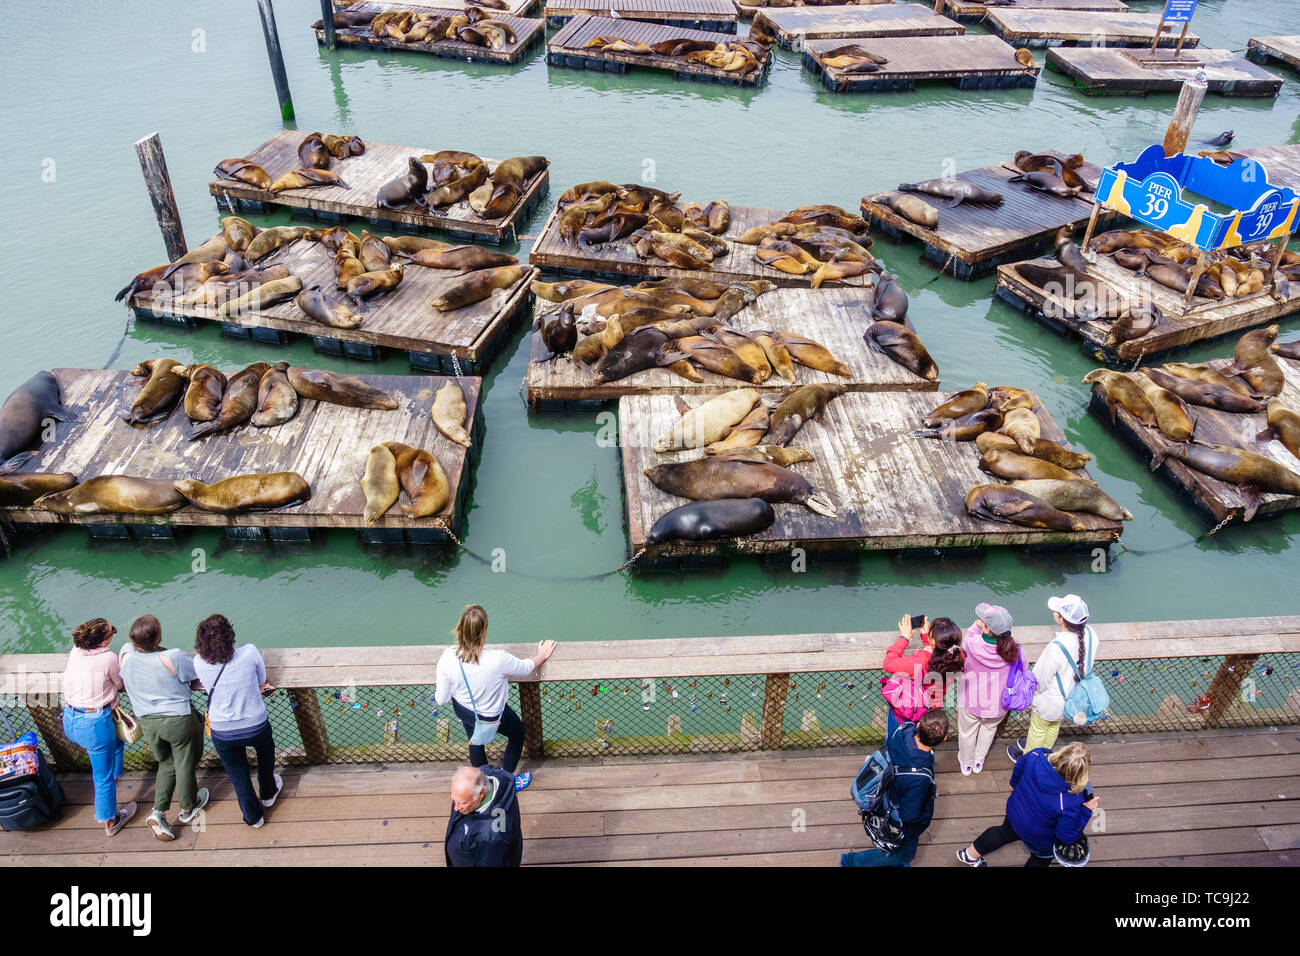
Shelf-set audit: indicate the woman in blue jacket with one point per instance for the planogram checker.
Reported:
(1050, 801)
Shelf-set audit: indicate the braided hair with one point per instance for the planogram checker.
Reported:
(1077, 630)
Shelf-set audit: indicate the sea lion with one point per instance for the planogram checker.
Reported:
(277, 402)
(1043, 448)
(911, 208)
(449, 413)
(268, 240)
(1008, 504)
(338, 389)
(1220, 141)
(956, 191)
(722, 476)
(709, 422)
(375, 283)
(711, 354)
(749, 351)
(463, 257)
(1288, 350)
(240, 493)
(1021, 425)
(26, 413)
(341, 147)
(777, 355)
(1047, 183)
(1283, 425)
(159, 394)
(1253, 362)
(408, 188)
(824, 214)
(114, 494)
(968, 427)
(1011, 466)
(1133, 324)
(203, 396)
(237, 404)
(783, 455)
(379, 483)
(1251, 473)
(640, 349)
(559, 332)
(748, 433)
(262, 296)
(478, 285)
(408, 246)
(1199, 373)
(797, 408)
(1074, 496)
(19, 488)
(809, 353)
(518, 170)
(1067, 251)
(707, 520)
(1121, 391)
(422, 478)
(902, 346)
(888, 302)
(458, 188)
(307, 179)
(963, 403)
(237, 232)
(312, 152)
(316, 305)
(220, 289)
(1006, 397)
(243, 171)
(1205, 394)
(374, 253)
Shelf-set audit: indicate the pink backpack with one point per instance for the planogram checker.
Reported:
(903, 694)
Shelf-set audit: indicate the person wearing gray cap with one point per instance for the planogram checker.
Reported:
(989, 653)
(1056, 674)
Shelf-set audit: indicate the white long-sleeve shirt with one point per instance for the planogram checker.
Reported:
(487, 679)
(1048, 702)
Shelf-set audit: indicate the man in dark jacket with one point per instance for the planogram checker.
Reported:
(910, 749)
(484, 827)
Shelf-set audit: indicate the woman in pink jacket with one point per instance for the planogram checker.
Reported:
(990, 652)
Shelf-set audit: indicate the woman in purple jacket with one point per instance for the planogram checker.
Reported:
(990, 652)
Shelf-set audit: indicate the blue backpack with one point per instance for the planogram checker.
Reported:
(1088, 701)
(1021, 685)
(871, 791)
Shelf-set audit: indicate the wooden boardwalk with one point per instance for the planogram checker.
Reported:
(1218, 498)
(792, 25)
(832, 316)
(1040, 28)
(1103, 71)
(972, 62)
(716, 15)
(891, 491)
(325, 443)
(565, 49)
(972, 240)
(1207, 319)
(403, 319)
(1282, 49)
(365, 174)
(973, 10)
(528, 34)
(1282, 163)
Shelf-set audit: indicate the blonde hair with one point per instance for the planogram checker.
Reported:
(1074, 763)
(471, 633)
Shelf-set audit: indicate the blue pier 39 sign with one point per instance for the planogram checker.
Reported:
(1179, 11)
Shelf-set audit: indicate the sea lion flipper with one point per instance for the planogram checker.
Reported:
(682, 406)
(1268, 434)
(954, 203)
(1250, 496)
(821, 505)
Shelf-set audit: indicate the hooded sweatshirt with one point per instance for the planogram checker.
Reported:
(913, 794)
(1041, 807)
(984, 675)
(478, 839)
(1051, 663)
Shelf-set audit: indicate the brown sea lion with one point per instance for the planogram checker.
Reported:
(1283, 425)
(262, 296)
(19, 488)
(408, 188)
(1013, 506)
(450, 412)
(1021, 425)
(1205, 394)
(1121, 391)
(241, 170)
(1006, 397)
(1253, 362)
(911, 208)
(709, 353)
(375, 283)
(518, 170)
(783, 455)
(777, 355)
(237, 404)
(1172, 416)
(316, 305)
(237, 232)
(968, 427)
(1288, 350)
(458, 188)
(114, 494)
(408, 246)
(159, 394)
(340, 147)
(1199, 373)
(277, 402)
(268, 240)
(708, 422)
(1133, 324)
(26, 414)
(307, 179)
(723, 476)
(902, 346)
(1011, 466)
(379, 483)
(797, 408)
(203, 396)
(338, 389)
(312, 152)
(749, 351)
(240, 493)
(1251, 473)
(747, 434)
(963, 403)
(374, 253)
(478, 285)
(809, 353)
(1047, 183)
(466, 258)
(422, 478)
(1043, 448)
(1074, 496)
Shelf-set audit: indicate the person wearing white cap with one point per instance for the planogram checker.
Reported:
(1056, 674)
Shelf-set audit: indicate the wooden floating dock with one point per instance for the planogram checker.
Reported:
(717, 15)
(793, 25)
(748, 11)
(404, 319)
(1041, 28)
(1207, 319)
(528, 34)
(1283, 49)
(1213, 427)
(565, 49)
(833, 317)
(327, 444)
(972, 240)
(969, 11)
(515, 8)
(365, 174)
(972, 62)
(1102, 71)
(892, 491)
(1281, 162)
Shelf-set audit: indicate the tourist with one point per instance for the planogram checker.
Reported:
(158, 681)
(1050, 803)
(1076, 643)
(910, 746)
(484, 828)
(989, 653)
(915, 689)
(91, 684)
(475, 679)
(235, 679)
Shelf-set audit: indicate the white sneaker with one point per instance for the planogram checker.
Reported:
(202, 801)
(965, 770)
(279, 786)
(161, 829)
(976, 768)
(259, 824)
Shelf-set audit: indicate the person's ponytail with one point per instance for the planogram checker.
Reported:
(1007, 648)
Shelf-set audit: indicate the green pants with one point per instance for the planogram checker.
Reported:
(1042, 733)
(177, 742)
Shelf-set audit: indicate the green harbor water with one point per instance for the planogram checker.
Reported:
(79, 225)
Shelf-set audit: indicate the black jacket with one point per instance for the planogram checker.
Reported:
(491, 835)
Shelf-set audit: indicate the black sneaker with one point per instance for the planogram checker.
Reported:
(971, 860)
(1015, 751)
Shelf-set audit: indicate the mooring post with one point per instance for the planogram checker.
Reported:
(1226, 684)
(154, 166)
(327, 21)
(1189, 104)
(311, 724)
(938, 6)
(773, 720)
(530, 705)
(277, 59)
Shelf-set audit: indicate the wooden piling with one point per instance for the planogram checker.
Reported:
(1227, 682)
(154, 167)
(530, 705)
(49, 721)
(272, 38)
(311, 724)
(1189, 104)
(774, 695)
(327, 21)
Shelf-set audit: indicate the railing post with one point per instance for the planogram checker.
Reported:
(49, 721)
(1227, 682)
(530, 702)
(159, 182)
(774, 694)
(311, 725)
(1189, 104)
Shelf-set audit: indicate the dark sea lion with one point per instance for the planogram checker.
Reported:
(458, 188)
(824, 214)
(956, 191)
(902, 346)
(1121, 391)
(114, 494)
(145, 280)
(966, 428)
(1220, 141)
(478, 285)
(797, 409)
(26, 412)
(316, 305)
(722, 476)
(963, 403)
(559, 332)
(237, 404)
(407, 188)
(307, 179)
(1010, 505)
(1067, 251)
(707, 520)
(203, 396)
(1205, 394)
(1199, 373)
(338, 389)
(159, 394)
(639, 350)
(1012, 465)
(518, 170)
(1074, 496)
(259, 492)
(463, 257)
(313, 154)
(268, 240)
(711, 354)
(1288, 350)
(1133, 324)
(242, 171)
(910, 208)
(277, 402)
(1043, 448)
(422, 478)
(1046, 183)
(1251, 473)
(1283, 425)
(888, 300)
(374, 252)
(19, 488)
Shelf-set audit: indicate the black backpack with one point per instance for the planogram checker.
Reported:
(29, 794)
(873, 792)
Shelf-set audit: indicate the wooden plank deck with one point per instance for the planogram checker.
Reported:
(971, 62)
(1282, 163)
(325, 443)
(793, 25)
(403, 319)
(716, 15)
(1104, 71)
(891, 491)
(1040, 28)
(1283, 49)
(968, 11)
(1219, 798)
(528, 33)
(832, 316)
(565, 49)
(365, 174)
(973, 240)
(1207, 319)
(748, 10)
(516, 8)
(1218, 498)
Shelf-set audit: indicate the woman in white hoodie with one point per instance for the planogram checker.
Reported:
(1074, 638)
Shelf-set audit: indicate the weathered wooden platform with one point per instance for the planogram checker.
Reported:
(515, 8)
(1102, 71)
(1218, 499)
(717, 15)
(325, 443)
(365, 174)
(1207, 318)
(748, 10)
(793, 25)
(1282, 49)
(1041, 28)
(973, 240)
(969, 11)
(972, 62)
(565, 49)
(1281, 162)
(403, 319)
(832, 316)
(528, 34)
(891, 491)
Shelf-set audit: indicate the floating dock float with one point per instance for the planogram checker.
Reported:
(793, 25)
(1103, 71)
(327, 444)
(973, 240)
(972, 62)
(1219, 499)
(1040, 28)
(1282, 163)
(748, 10)
(514, 8)
(833, 317)
(1283, 49)
(528, 34)
(969, 11)
(891, 491)
(565, 49)
(717, 15)
(364, 175)
(403, 320)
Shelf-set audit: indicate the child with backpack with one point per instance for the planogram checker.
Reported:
(905, 686)
(910, 749)
(990, 655)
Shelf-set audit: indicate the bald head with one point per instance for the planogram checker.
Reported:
(467, 789)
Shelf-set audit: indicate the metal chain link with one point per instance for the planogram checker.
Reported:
(1218, 527)
(455, 363)
(628, 563)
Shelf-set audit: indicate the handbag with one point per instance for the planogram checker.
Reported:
(207, 723)
(484, 731)
(127, 727)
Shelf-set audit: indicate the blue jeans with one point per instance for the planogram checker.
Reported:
(95, 732)
(904, 855)
(233, 751)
